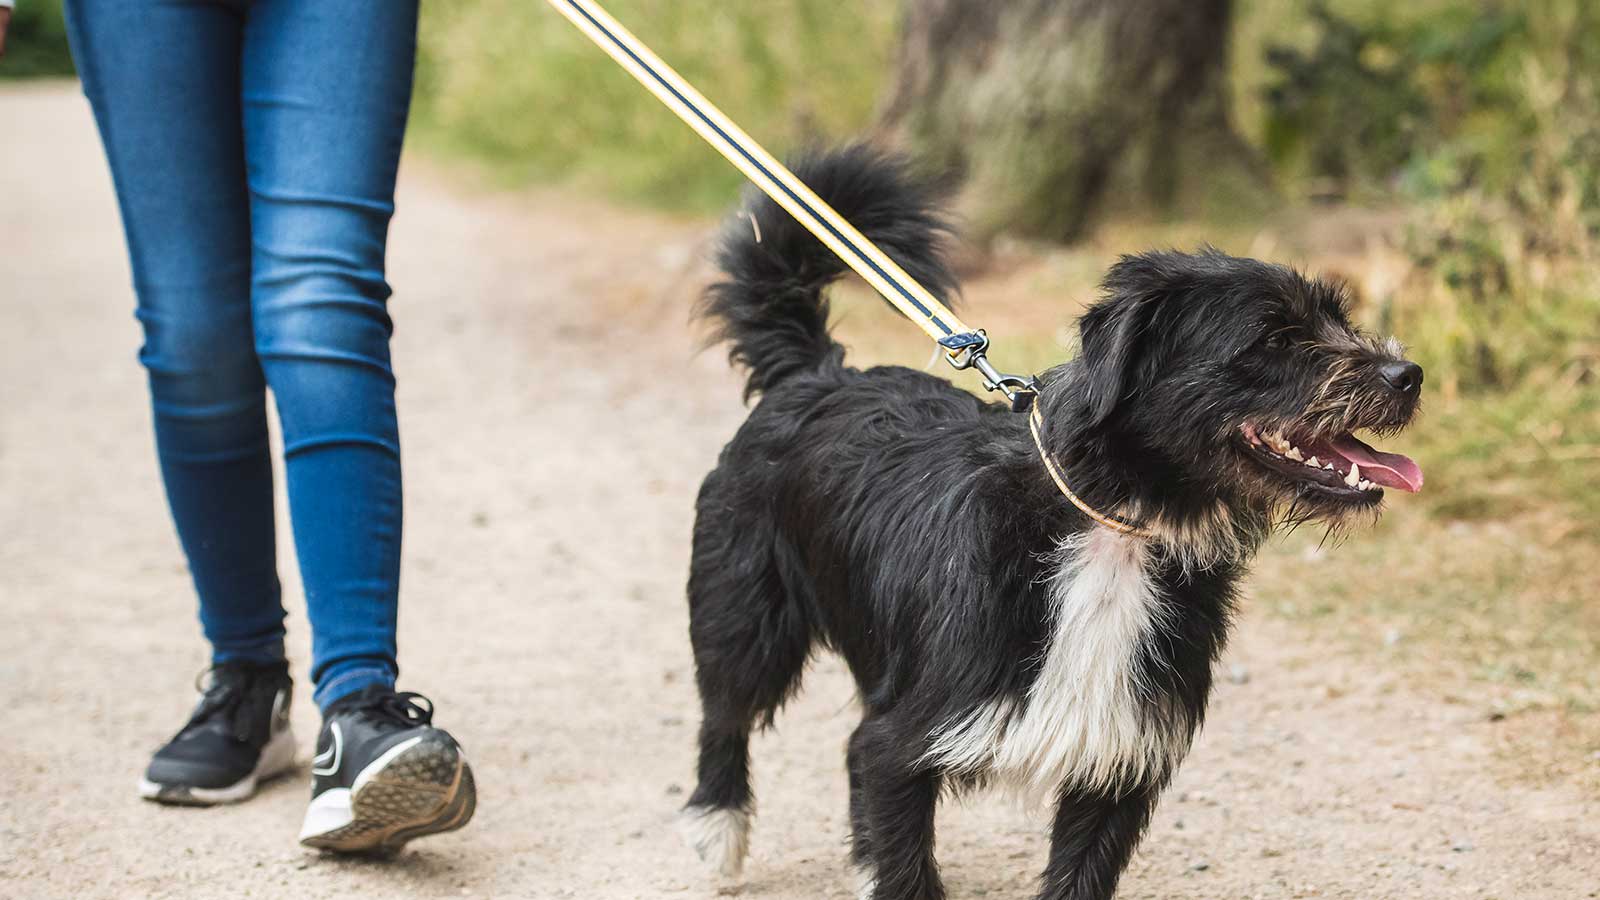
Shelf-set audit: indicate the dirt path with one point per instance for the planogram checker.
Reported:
(548, 511)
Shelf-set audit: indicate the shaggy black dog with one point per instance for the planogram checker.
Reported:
(998, 632)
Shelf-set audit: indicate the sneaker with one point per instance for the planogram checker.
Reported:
(384, 775)
(237, 738)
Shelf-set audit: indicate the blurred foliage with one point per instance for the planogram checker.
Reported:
(1507, 238)
(514, 84)
(1482, 120)
(1371, 94)
(36, 42)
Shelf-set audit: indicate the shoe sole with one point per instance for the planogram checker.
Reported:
(419, 787)
(277, 758)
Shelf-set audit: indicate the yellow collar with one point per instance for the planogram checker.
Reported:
(1035, 422)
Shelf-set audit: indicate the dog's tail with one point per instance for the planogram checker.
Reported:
(771, 308)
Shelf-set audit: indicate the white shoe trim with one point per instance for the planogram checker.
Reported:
(330, 810)
(327, 763)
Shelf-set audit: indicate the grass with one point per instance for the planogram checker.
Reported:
(514, 86)
(36, 42)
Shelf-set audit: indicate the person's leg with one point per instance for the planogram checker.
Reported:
(163, 80)
(327, 84)
(326, 89)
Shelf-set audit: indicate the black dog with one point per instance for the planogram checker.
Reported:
(998, 632)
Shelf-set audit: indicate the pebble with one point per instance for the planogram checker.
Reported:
(1199, 866)
(1239, 674)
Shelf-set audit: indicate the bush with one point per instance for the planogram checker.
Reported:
(1371, 95)
(1507, 233)
(1484, 122)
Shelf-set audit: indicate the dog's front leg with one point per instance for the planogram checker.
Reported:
(892, 802)
(1093, 838)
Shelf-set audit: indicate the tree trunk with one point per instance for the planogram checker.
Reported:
(1055, 111)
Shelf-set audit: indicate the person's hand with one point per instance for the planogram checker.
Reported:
(5, 20)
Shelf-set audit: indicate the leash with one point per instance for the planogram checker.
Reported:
(964, 347)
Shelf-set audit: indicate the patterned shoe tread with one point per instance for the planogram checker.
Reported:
(425, 790)
(456, 816)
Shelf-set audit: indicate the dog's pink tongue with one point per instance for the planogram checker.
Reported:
(1388, 469)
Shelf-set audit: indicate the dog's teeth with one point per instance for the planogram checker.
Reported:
(1295, 454)
(1312, 462)
(1328, 466)
(1365, 485)
(1354, 478)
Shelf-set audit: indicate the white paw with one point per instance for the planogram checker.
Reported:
(721, 838)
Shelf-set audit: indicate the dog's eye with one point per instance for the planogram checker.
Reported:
(1279, 340)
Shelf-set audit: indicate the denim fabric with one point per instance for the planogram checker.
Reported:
(254, 146)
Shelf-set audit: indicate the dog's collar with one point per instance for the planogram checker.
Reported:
(1121, 526)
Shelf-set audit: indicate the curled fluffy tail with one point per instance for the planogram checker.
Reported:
(770, 308)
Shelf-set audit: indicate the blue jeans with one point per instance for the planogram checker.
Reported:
(254, 146)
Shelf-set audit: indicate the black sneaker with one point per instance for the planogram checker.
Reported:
(384, 775)
(237, 738)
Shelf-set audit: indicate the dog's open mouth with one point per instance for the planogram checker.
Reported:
(1342, 464)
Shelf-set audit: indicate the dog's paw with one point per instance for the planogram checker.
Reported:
(721, 838)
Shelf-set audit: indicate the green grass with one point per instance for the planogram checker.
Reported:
(36, 42)
(514, 86)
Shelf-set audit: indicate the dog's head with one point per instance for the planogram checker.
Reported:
(1212, 378)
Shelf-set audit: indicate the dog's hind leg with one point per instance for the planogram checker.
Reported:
(751, 640)
(1092, 841)
(716, 821)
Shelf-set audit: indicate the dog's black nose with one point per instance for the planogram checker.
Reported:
(1404, 376)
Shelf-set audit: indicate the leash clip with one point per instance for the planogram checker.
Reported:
(969, 350)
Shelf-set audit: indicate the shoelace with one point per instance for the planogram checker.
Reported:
(405, 708)
(238, 698)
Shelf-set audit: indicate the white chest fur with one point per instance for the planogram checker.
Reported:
(1082, 721)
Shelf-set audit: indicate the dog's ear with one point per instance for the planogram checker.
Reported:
(1113, 332)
